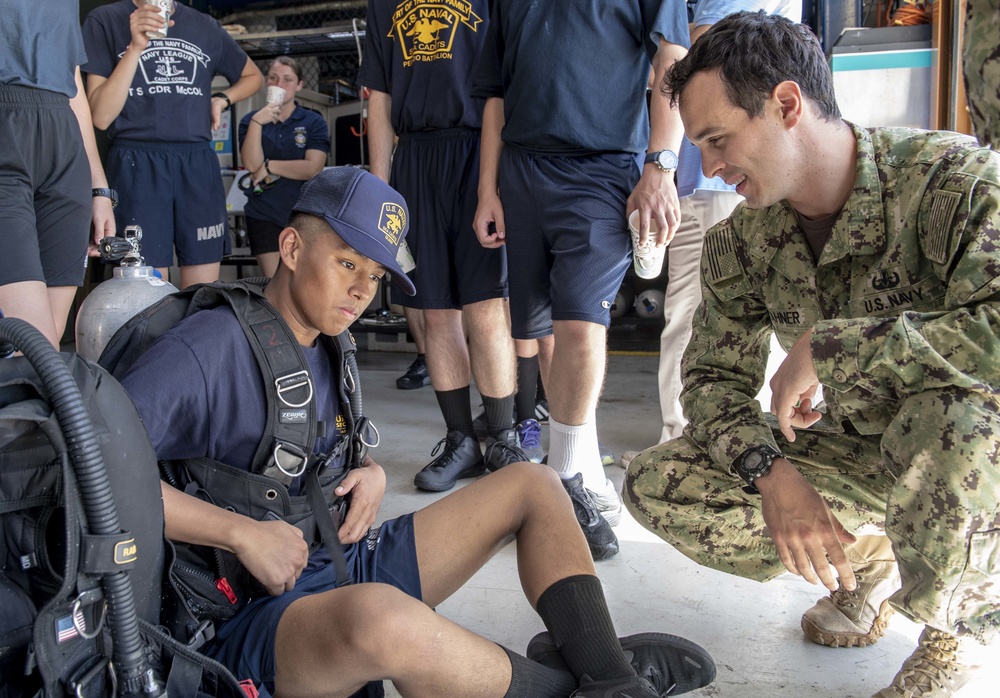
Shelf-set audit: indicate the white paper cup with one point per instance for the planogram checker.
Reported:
(164, 7)
(646, 258)
(275, 95)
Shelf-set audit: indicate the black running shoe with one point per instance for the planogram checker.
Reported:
(503, 449)
(460, 458)
(416, 375)
(601, 539)
(673, 665)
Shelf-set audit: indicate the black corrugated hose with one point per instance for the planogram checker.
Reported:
(135, 676)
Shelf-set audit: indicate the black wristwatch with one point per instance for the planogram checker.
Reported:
(223, 95)
(666, 160)
(105, 191)
(754, 463)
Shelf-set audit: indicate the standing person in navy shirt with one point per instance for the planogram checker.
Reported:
(154, 97)
(288, 141)
(46, 144)
(562, 168)
(418, 64)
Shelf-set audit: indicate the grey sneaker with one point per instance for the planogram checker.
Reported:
(460, 458)
(671, 664)
(937, 668)
(855, 618)
(608, 503)
(502, 449)
(602, 540)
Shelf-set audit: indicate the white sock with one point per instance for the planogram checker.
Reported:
(573, 449)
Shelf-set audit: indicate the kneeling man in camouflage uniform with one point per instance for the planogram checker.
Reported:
(874, 256)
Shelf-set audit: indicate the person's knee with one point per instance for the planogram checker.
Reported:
(439, 320)
(488, 319)
(378, 617)
(533, 486)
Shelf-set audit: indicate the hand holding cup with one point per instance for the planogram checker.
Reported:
(163, 8)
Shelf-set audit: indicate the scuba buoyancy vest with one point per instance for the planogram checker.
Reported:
(214, 583)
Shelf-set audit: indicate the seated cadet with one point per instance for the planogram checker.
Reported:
(199, 393)
(872, 254)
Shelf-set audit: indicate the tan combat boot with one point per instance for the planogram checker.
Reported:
(938, 668)
(857, 618)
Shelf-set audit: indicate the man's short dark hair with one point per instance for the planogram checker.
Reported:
(308, 225)
(754, 52)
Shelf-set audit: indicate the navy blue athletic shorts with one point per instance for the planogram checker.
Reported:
(45, 201)
(174, 192)
(437, 172)
(567, 236)
(263, 235)
(246, 643)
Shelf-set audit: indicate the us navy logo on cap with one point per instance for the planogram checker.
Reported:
(392, 222)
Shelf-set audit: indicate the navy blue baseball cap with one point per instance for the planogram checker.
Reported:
(364, 211)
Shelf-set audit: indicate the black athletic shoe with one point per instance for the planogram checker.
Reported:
(673, 665)
(601, 539)
(503, 449)
(416, 375)
(460, 458)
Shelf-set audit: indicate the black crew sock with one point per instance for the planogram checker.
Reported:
(456, 410)
(499, 413)
(527, 385)
(540, 394)
(530, 679)
(576, 614)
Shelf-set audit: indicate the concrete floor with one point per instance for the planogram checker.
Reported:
(752, 630)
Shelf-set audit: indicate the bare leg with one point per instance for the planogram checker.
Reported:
(576, 374)
(199, 274)
(447, 352)
(44, 308)
(546, 347)
(332, 643)
(491, 348)
(459, 533)
(418, 329)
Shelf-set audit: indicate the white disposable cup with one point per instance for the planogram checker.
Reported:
(164, 7)
(275, 95)
(646, 258)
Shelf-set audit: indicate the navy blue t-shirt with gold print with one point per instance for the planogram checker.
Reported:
(422, 53)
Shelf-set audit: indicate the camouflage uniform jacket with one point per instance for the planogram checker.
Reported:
(905, 296)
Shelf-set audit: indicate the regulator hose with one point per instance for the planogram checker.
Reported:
(131, 665)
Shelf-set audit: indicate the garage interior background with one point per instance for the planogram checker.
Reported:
(884, 75)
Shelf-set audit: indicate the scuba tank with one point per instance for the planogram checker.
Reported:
(133, 288)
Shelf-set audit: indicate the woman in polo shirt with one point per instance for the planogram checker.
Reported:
(288, 143)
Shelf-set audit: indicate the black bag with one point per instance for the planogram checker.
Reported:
(81, 538)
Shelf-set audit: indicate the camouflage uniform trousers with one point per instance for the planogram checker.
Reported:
(931, 481)
(981, 65)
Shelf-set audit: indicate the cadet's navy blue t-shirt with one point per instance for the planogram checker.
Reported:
(171, 93)
(423, 55)
(304, 130)
(200, 393)
(573, 73)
